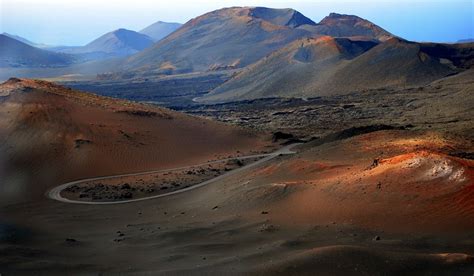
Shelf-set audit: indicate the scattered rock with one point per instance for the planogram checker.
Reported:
(281, 136)
(374, 164)
(125, 186)
(141, 113)
(235, 162)
(80, 142)
(268, 228)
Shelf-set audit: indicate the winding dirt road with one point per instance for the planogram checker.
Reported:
(55, 193)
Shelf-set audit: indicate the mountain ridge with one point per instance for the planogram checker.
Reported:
(235, 37)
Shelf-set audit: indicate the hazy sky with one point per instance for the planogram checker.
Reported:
(77, 22)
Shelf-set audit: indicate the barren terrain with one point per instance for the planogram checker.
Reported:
(249, 141)
(395, 198)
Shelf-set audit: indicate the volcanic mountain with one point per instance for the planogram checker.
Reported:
(52, 134)
(222, 39)
(329, 66)
(14, 53)
(159, 30)
(119, 43)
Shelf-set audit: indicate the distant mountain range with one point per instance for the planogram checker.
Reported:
(118, 43)
(268, 53)
(14, 53)
(159, 30)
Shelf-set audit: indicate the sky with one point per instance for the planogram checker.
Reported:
(77, 22)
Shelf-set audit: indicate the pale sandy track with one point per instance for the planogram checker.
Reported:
(55, 193)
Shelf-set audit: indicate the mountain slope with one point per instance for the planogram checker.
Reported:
(26, 41)
(329, 66)
(77, 134)
(222, 39)
(159, 30)
(395, 63)
(120, 42)
(342, 25)
(14, 53)
(297, 69)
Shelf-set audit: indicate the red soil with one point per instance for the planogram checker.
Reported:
(414, 183)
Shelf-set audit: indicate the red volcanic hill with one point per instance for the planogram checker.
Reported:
(227, 38)
(51, 134)
(386, 180)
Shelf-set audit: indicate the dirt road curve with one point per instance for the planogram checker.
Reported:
(55, 193)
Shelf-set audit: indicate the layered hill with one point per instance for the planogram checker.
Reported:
(329, 66)
(117, 43)
(14, 53)
(159, 30)
(51, 134)
(222, 39)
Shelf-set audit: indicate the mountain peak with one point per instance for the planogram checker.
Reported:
(283, 17)
(120, 42)
(345, 25)
(159, 30)
(122, 30)
(334, 18)
(340, 15)
(279, 17)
